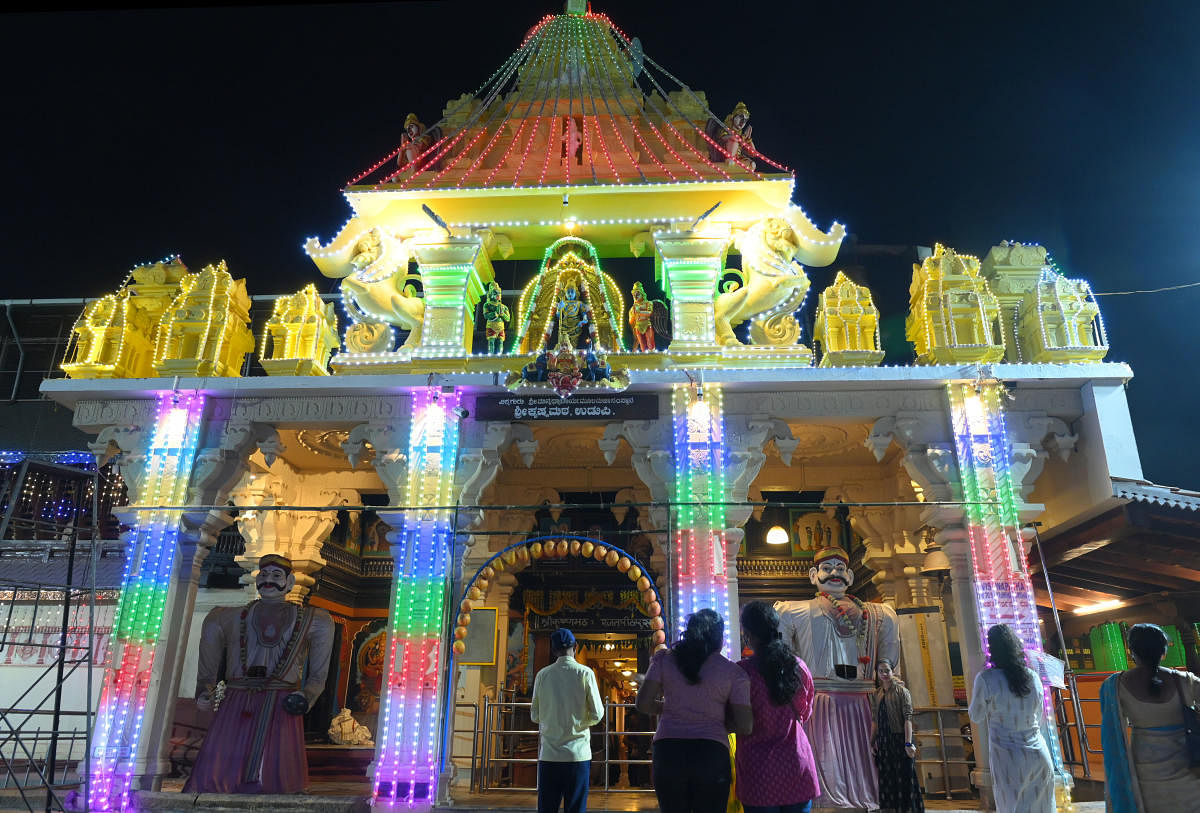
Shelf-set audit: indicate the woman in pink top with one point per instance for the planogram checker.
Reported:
(776, 772)
(700, 697)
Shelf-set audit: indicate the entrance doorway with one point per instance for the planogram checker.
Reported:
(607, 597)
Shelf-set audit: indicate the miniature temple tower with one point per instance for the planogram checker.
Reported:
(953, 316)
(847, 325)
(1060, 321)
(204, 332)
(300, 335)
(114, 337)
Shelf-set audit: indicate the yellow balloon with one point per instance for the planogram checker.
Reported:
(509, 556)
(587, 548)
(487, 572)
(600, 552)
(459, 647)
(460, 632)
(562, 548)
(576, 547)
(643, 584)
(474, 594)
(634, 573)
(535, 550)
(464, 619)
(612, 558)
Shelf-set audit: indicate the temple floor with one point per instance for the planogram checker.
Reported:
(350, 797)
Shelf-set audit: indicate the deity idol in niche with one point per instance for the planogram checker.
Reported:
(841, 638)
(640, 312)
(573, 315)
(648, 320)
(495, 317)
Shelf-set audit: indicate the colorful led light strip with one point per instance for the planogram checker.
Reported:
(406, 765)
(139, 618)
(1003, 589)
(700, 547)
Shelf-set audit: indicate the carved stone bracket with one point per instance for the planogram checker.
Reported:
(128, 444)
(478, 466)
(652, 459)
(387, 442)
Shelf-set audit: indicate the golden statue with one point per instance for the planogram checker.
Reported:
(773, 286)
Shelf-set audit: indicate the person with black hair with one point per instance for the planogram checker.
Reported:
(700, 696)
(1146, 763)
(1008, 701)
(776, 772)
(566, 704)
(892, 744)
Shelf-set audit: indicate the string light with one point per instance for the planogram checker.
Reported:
(144, 587)
(406, 764)
(700, 544)
(1000, 577)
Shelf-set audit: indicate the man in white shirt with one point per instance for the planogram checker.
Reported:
(566, 704)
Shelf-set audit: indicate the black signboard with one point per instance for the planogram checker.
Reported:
(579, 407)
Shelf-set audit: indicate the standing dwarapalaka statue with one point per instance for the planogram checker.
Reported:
(256, 742)
(495, 315)
(841, 638)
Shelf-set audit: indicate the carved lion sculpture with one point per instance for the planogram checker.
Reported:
(774, 286)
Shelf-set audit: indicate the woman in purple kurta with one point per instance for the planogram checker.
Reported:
(776, 772)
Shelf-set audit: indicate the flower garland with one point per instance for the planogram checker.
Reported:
(842, 620)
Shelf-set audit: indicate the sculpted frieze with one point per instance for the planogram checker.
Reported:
(309, 410)
(867, 404)
(92, 415)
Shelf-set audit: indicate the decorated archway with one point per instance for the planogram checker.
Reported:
(525, 553)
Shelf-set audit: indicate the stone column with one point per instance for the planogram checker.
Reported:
(212, 471)
(689, 264)
(454, 273)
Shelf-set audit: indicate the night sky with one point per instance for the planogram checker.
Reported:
(228, 133)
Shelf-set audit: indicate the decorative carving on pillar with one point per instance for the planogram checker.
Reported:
(652, 458)
(297, 535)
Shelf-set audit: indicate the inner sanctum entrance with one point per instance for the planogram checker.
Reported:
(580, 569)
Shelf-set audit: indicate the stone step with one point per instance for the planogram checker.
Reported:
(172, 802)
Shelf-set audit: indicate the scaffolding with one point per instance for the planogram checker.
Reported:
(59, 557)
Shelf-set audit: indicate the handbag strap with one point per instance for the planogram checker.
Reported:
(1188, 712)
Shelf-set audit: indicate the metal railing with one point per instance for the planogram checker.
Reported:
(502, 743)
(951, 758)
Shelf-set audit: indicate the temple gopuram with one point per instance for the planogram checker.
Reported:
(573, 375)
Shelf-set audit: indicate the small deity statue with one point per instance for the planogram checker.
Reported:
(564, 373)
(573, 315)
(735, 137)
(345, 730)
(641, 318)
(596, 367)
(538, 369)
(275, 657)
(495, 315)
(572, 142)
(415, 141)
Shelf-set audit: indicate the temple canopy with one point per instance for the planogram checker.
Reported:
(578, 104)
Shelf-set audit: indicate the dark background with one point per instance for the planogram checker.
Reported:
(228, 133)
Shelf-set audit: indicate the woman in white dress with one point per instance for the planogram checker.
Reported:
(1008, 700)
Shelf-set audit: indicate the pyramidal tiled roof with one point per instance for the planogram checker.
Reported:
(578, 104)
